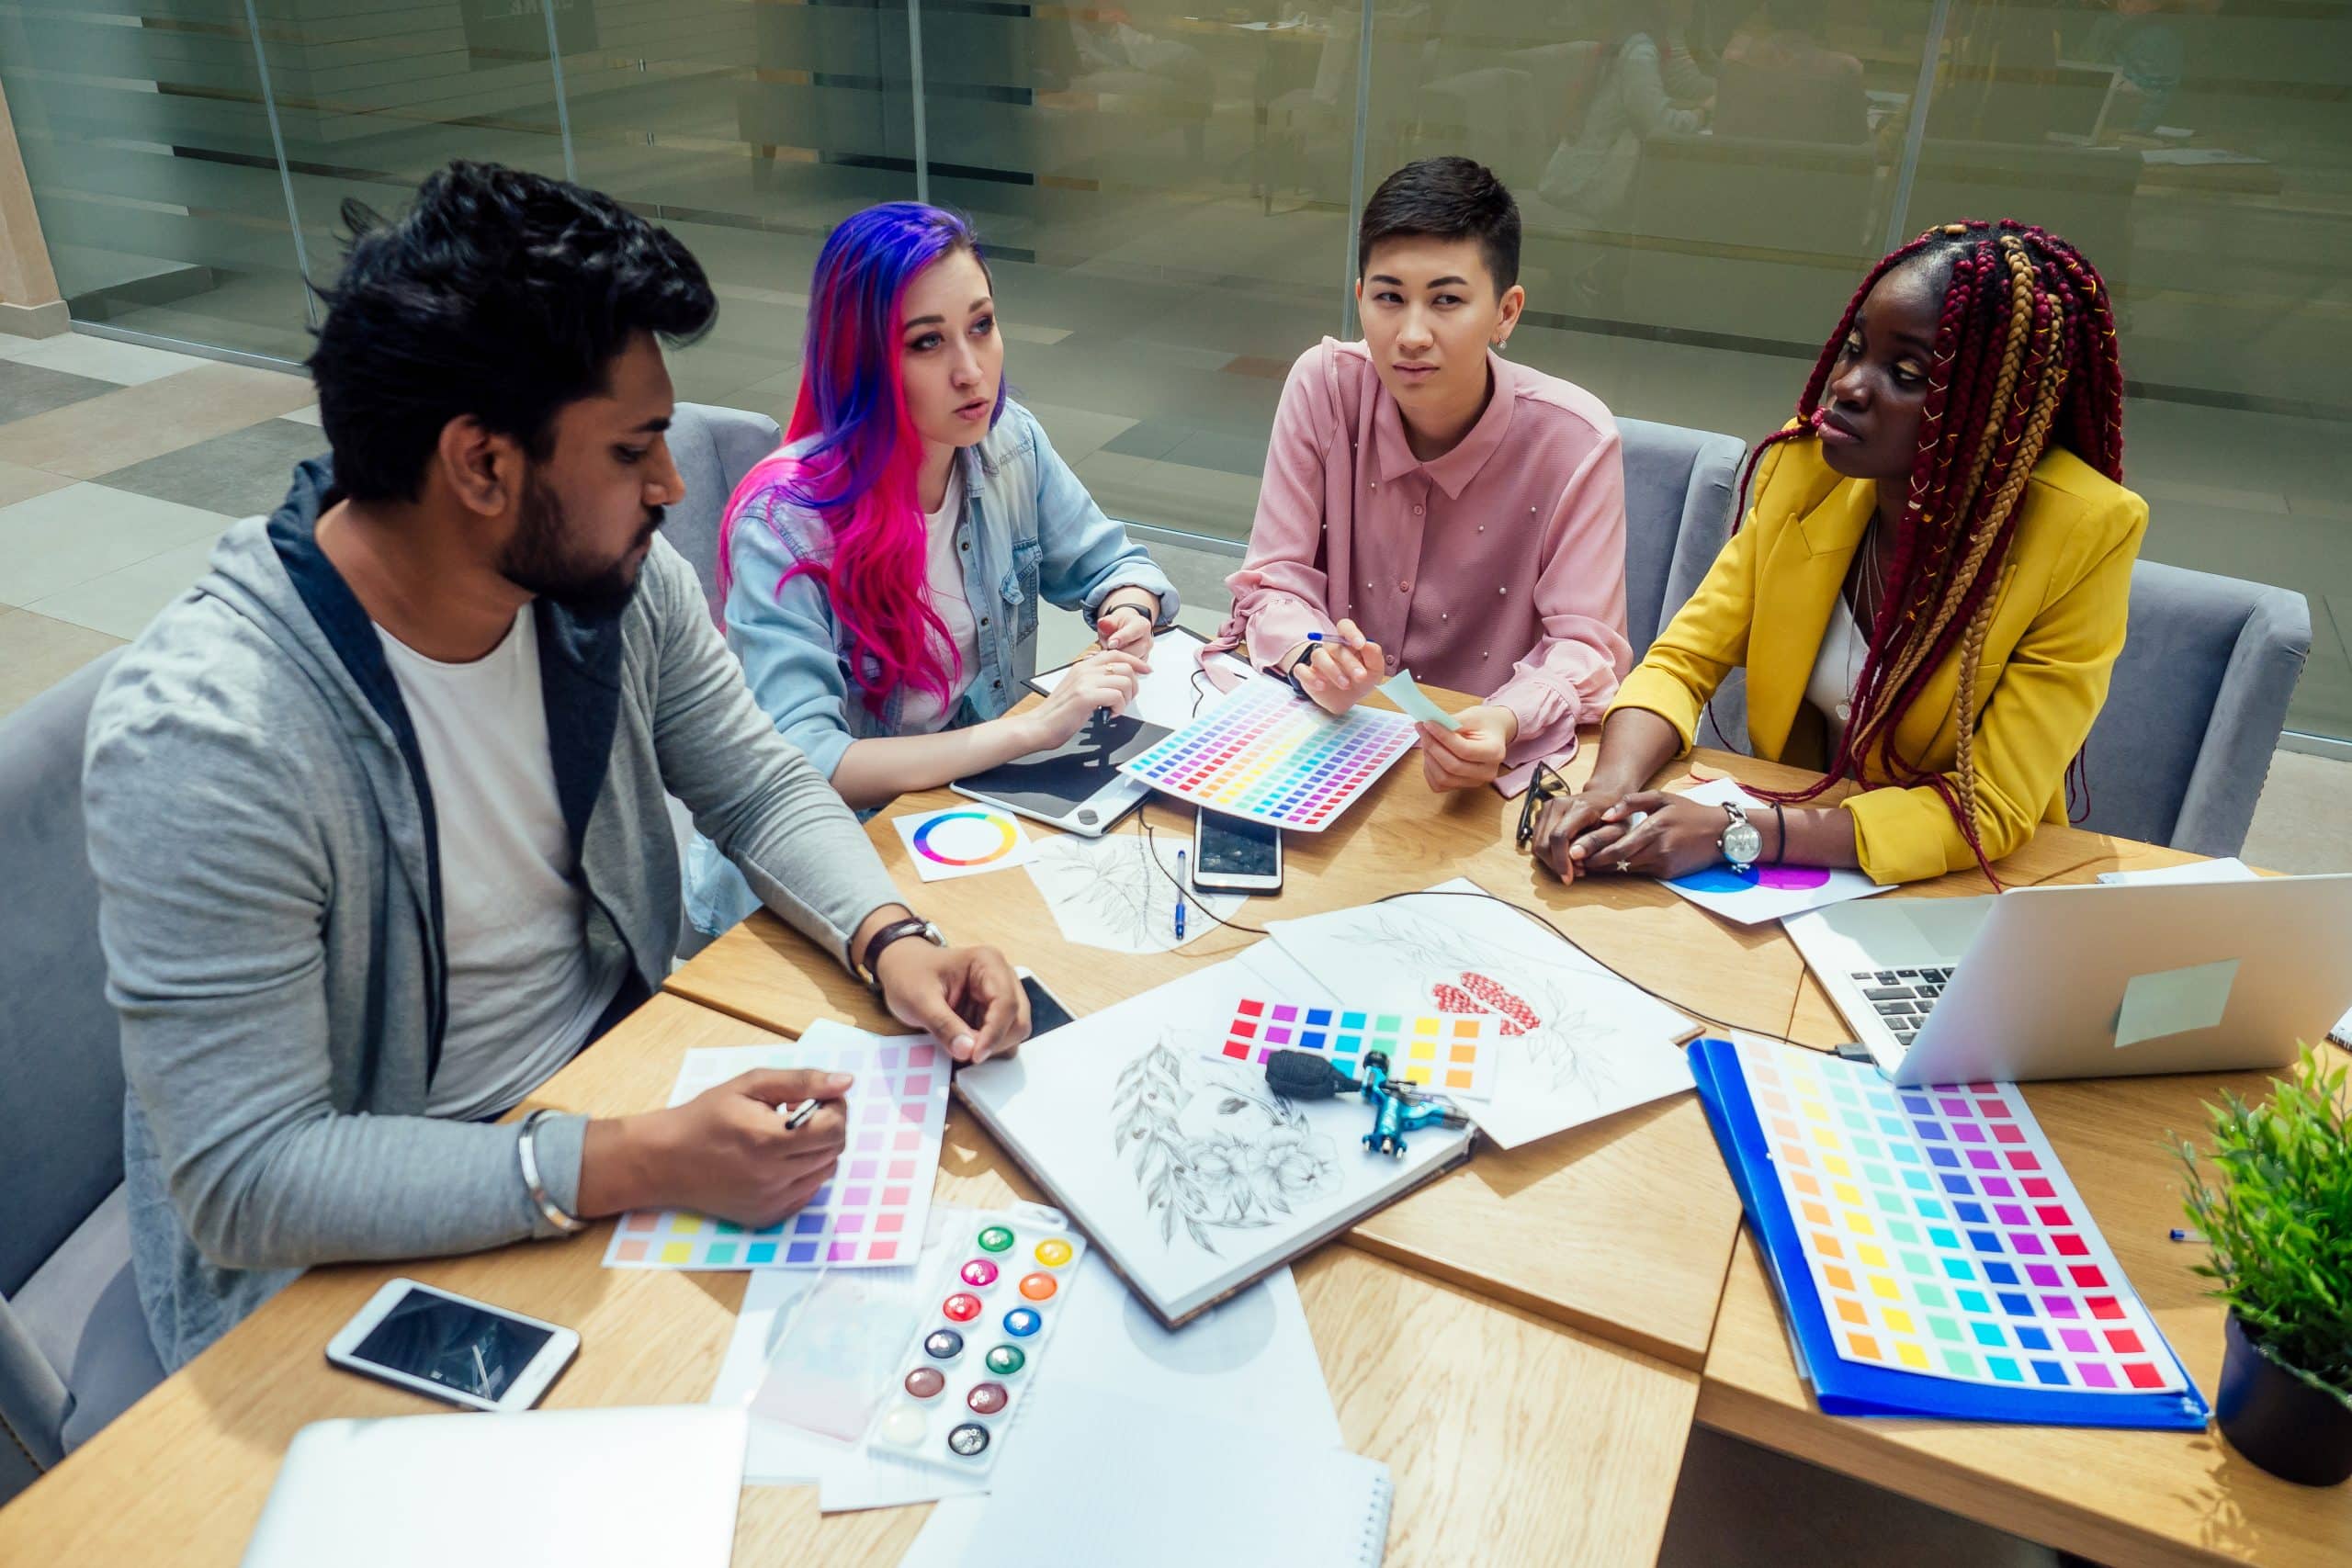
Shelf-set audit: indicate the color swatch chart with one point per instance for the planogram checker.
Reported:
(871, 1214)
(1942, 1234)
(1449, 1056)
(1272, 756)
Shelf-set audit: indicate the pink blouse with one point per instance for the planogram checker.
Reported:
(1497, 568)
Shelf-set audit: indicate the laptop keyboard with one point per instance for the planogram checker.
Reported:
(1902, 997)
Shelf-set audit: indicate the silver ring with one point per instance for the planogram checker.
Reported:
(1624, 865)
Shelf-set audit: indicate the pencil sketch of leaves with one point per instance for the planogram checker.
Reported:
(1222, 1180)
(1108, 884)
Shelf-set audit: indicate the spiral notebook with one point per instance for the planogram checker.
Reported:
(1172, 1489)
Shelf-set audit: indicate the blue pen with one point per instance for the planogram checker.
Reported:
(1179, 894)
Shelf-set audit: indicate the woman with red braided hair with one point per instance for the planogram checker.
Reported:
(1927, 591)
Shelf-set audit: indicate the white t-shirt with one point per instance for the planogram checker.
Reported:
(922, 714)
(1837, 670)
(522, 992)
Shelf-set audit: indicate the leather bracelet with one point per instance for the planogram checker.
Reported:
(527, 1149)
(1780, 844)
(1149, 618)
(912, 926)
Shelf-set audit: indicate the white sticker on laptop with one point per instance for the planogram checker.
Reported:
(2174, 1001)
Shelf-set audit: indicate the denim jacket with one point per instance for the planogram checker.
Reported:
(1029, 531)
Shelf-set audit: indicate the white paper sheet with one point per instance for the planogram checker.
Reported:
(1117, 1479)
(1767, 892)
(779, 1454)
(2227, 869)
(1589, 1045)
(1251, 1359)
(962, 841)
(1107, 893)
(1169, 696)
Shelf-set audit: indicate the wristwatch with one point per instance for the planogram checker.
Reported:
(863, 966)
(1741, 844)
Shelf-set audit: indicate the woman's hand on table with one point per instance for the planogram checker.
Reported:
(1473, 754)
(1644, 833)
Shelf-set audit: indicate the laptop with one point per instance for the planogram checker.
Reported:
(2095, 981)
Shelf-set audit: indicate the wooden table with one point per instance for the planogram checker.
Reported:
(1558, 1348)
(1509, 1438)
(1542, 1227)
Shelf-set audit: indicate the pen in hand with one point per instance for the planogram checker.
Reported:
(796, 1116)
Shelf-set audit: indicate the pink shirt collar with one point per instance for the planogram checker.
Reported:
(1454, 471)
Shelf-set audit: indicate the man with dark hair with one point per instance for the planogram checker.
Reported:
(377, 809)
(1429, 505)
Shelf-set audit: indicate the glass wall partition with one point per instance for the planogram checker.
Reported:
(1168, 189)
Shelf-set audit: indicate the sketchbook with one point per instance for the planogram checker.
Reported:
(1189, 1177)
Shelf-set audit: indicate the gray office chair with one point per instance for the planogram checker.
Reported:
(1679, 496)
(73, 1346)
(714, 448)
(2180, 751)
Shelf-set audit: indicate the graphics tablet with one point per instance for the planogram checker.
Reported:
(1076, 786)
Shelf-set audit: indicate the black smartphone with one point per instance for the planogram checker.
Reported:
(1045, 1010)
(1233, 855)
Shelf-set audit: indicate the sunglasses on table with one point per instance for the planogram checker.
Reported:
(1546, 785)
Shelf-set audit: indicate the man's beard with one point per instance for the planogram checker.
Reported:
(540, 559)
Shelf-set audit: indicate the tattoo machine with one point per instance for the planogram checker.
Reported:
(1398, 1108)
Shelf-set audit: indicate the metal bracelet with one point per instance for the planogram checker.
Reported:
(527, 1149)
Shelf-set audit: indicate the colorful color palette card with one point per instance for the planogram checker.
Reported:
(962, 841)
(1763, 892)
(1934, 1256)
(1270, 755)
(871, 1214)
(1446, 1055)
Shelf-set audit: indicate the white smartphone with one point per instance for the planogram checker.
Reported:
(452, 1347)
(1233, 855)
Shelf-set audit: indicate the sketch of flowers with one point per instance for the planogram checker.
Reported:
(1261, 1161)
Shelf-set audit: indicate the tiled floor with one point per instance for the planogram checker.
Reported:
(120, 464)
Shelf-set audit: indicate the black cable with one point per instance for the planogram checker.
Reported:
(1546, 923)
(1143, 816)
(1151, 848)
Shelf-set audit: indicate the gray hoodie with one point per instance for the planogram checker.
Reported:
(269, 888)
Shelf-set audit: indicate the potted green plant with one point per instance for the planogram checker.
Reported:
(2273, 1201)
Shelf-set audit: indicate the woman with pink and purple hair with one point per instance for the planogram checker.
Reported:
(881, 571)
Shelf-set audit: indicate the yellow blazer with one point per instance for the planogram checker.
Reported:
(2057, 626)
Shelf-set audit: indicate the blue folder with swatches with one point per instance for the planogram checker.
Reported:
(1849, 1388)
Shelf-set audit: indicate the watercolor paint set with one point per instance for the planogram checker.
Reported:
(1270, 755)
(1932, 1254)
(1444, 1054)
(976, 1352)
